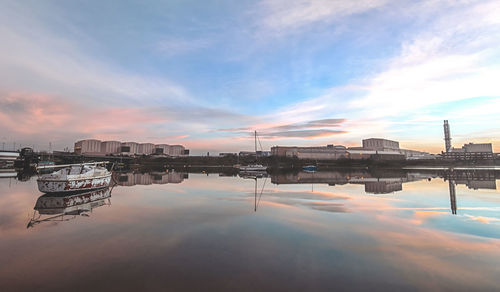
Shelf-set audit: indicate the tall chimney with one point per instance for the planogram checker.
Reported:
(447, 138)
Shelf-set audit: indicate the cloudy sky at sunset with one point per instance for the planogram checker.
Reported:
(205, 74)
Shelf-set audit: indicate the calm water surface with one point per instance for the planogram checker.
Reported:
(293, 232)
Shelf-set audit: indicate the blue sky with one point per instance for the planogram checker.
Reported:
(205, 74)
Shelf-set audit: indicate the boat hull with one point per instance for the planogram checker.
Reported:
(74, 185)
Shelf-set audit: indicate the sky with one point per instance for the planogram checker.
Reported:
(206, 74)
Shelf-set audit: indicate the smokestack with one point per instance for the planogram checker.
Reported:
(447, 138)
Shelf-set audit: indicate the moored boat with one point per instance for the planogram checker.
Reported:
(252, 167)
(75, 177)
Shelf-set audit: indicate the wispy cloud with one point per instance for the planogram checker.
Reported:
(288, 16)
(303, 133)
(179, 46)
(307, 129)
(454, 59)
(37, 59)
(393, 69)
(311, 124)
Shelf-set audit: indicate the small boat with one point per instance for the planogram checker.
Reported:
(310, 168)
(252, 167)
(75, 177)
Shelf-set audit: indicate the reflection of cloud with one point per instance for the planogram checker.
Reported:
(485, 220)
(328, 207)
(422, 216)
(321, 201)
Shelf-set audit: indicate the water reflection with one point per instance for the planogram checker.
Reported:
(383, 183)
(318, 231)
(133, 178)
(391, 181)
(67, 206)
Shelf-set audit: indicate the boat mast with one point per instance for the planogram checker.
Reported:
(255, 142)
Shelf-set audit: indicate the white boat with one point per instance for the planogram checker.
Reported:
(75, 177)
(252, 167)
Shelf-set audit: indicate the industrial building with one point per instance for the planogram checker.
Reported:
(99, 148)
(170, 150)
(145, 148)
(380, 144)
(89, 146)
(129, 148)
(470, 151)
(374, 148)
(110, 147)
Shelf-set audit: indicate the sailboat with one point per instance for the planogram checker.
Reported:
(253, 167)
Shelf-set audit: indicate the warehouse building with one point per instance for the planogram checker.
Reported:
(110, 147)
(145, 148)
(380, 144)
(471, 151)
(97, 147)
(373, 148)
(89, 146)
(129, 148)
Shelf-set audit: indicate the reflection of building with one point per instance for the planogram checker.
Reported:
(453, 197)
(473, 179)
(482, 184)
(131, 179)
(373, 184)
(383, 187)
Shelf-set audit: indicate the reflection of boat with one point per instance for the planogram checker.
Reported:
(253, 167)
(75, 177)
(66, 206)
(46, 163)
(5, 172)
(310, 168)
(7, 159)
(253, 174)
